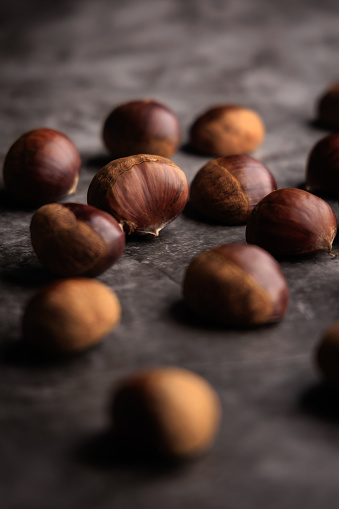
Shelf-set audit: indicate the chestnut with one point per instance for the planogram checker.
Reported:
(70, 315)
(72, 239)
(41, 166)
(327, 355)
(292, 222)
(328, 107)
(167, 411)
(143, 192)
(322, 171)
(226, 189)
(227, 129)
(141, 127)
(236, 285)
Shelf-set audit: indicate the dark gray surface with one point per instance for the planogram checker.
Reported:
(65, 65)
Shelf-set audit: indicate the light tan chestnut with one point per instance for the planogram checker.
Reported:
(70, 315)
(226, 189)
(227, 129)
(144, 192)
(168, 411)
(237, 285)
(292, 222)
(327, 355)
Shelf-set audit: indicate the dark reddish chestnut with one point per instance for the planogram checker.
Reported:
(322, 172)
(292, 222)
(144, 192)
(328, 108)
(141, 127)
(72, 239)
(237, 285)
(327, 355)
(226, 189)
(41, 166)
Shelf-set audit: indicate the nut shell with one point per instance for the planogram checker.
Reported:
(227, 129)
(70, 316)
(169, 411)
(41, 166)
(322, 171)
(141, 127)
(226, 189)
(72, 239)
(236, 284)
(327, 355)
(292, 222)
(328, 107)
(144, 192)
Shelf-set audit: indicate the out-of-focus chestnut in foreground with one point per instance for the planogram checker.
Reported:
(141, 127)
(292, 222)
(144, 192)
(41, 166)
(227, 129)
(168, 411)
(226, 189)
(72, 239)
(328, 108)
(327, 355)
(70, 316)
(237, 285)
(322, 171)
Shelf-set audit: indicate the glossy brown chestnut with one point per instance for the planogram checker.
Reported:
(292, 222)
(328, 107)
(41, 166)
(327, 355)
(322, 171)
(144, 192)
(237, 285)
(141, 127)
(226, 189)
(72, 239)
(70, 316)
(226, 130)
(168, 411)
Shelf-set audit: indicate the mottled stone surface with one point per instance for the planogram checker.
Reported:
(65, 65)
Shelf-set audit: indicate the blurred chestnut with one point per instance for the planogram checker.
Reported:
(237, 285)
(292, 222)
(322, 172)
(327, 355)
(227, 129)
(141, 127)
(143, 192)
(226, 189)
(166, 411)
(41, 166)
(328, 107)
(70, 316)
(72, 239)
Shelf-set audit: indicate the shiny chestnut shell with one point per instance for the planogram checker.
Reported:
(236, 285)
(141, 127)
(144, 192)
(322, 171)
(41, 166)
(226, 189)
(72, 239)
(292, 222)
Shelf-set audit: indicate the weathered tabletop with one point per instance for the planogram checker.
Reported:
(64, 65)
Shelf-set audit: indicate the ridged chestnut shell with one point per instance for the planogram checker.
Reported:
(292, 222)
(237, 285)
(143, 192)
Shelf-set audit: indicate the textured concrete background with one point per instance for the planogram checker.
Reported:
(65, 65)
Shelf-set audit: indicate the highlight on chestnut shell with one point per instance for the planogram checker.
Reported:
(166, 411)
(72, 239)
(41, 166)
(322, 169)
(143, 192)
(227, 189)
(292, 222)
(227, 129)
(236, 285)
(141, 127)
